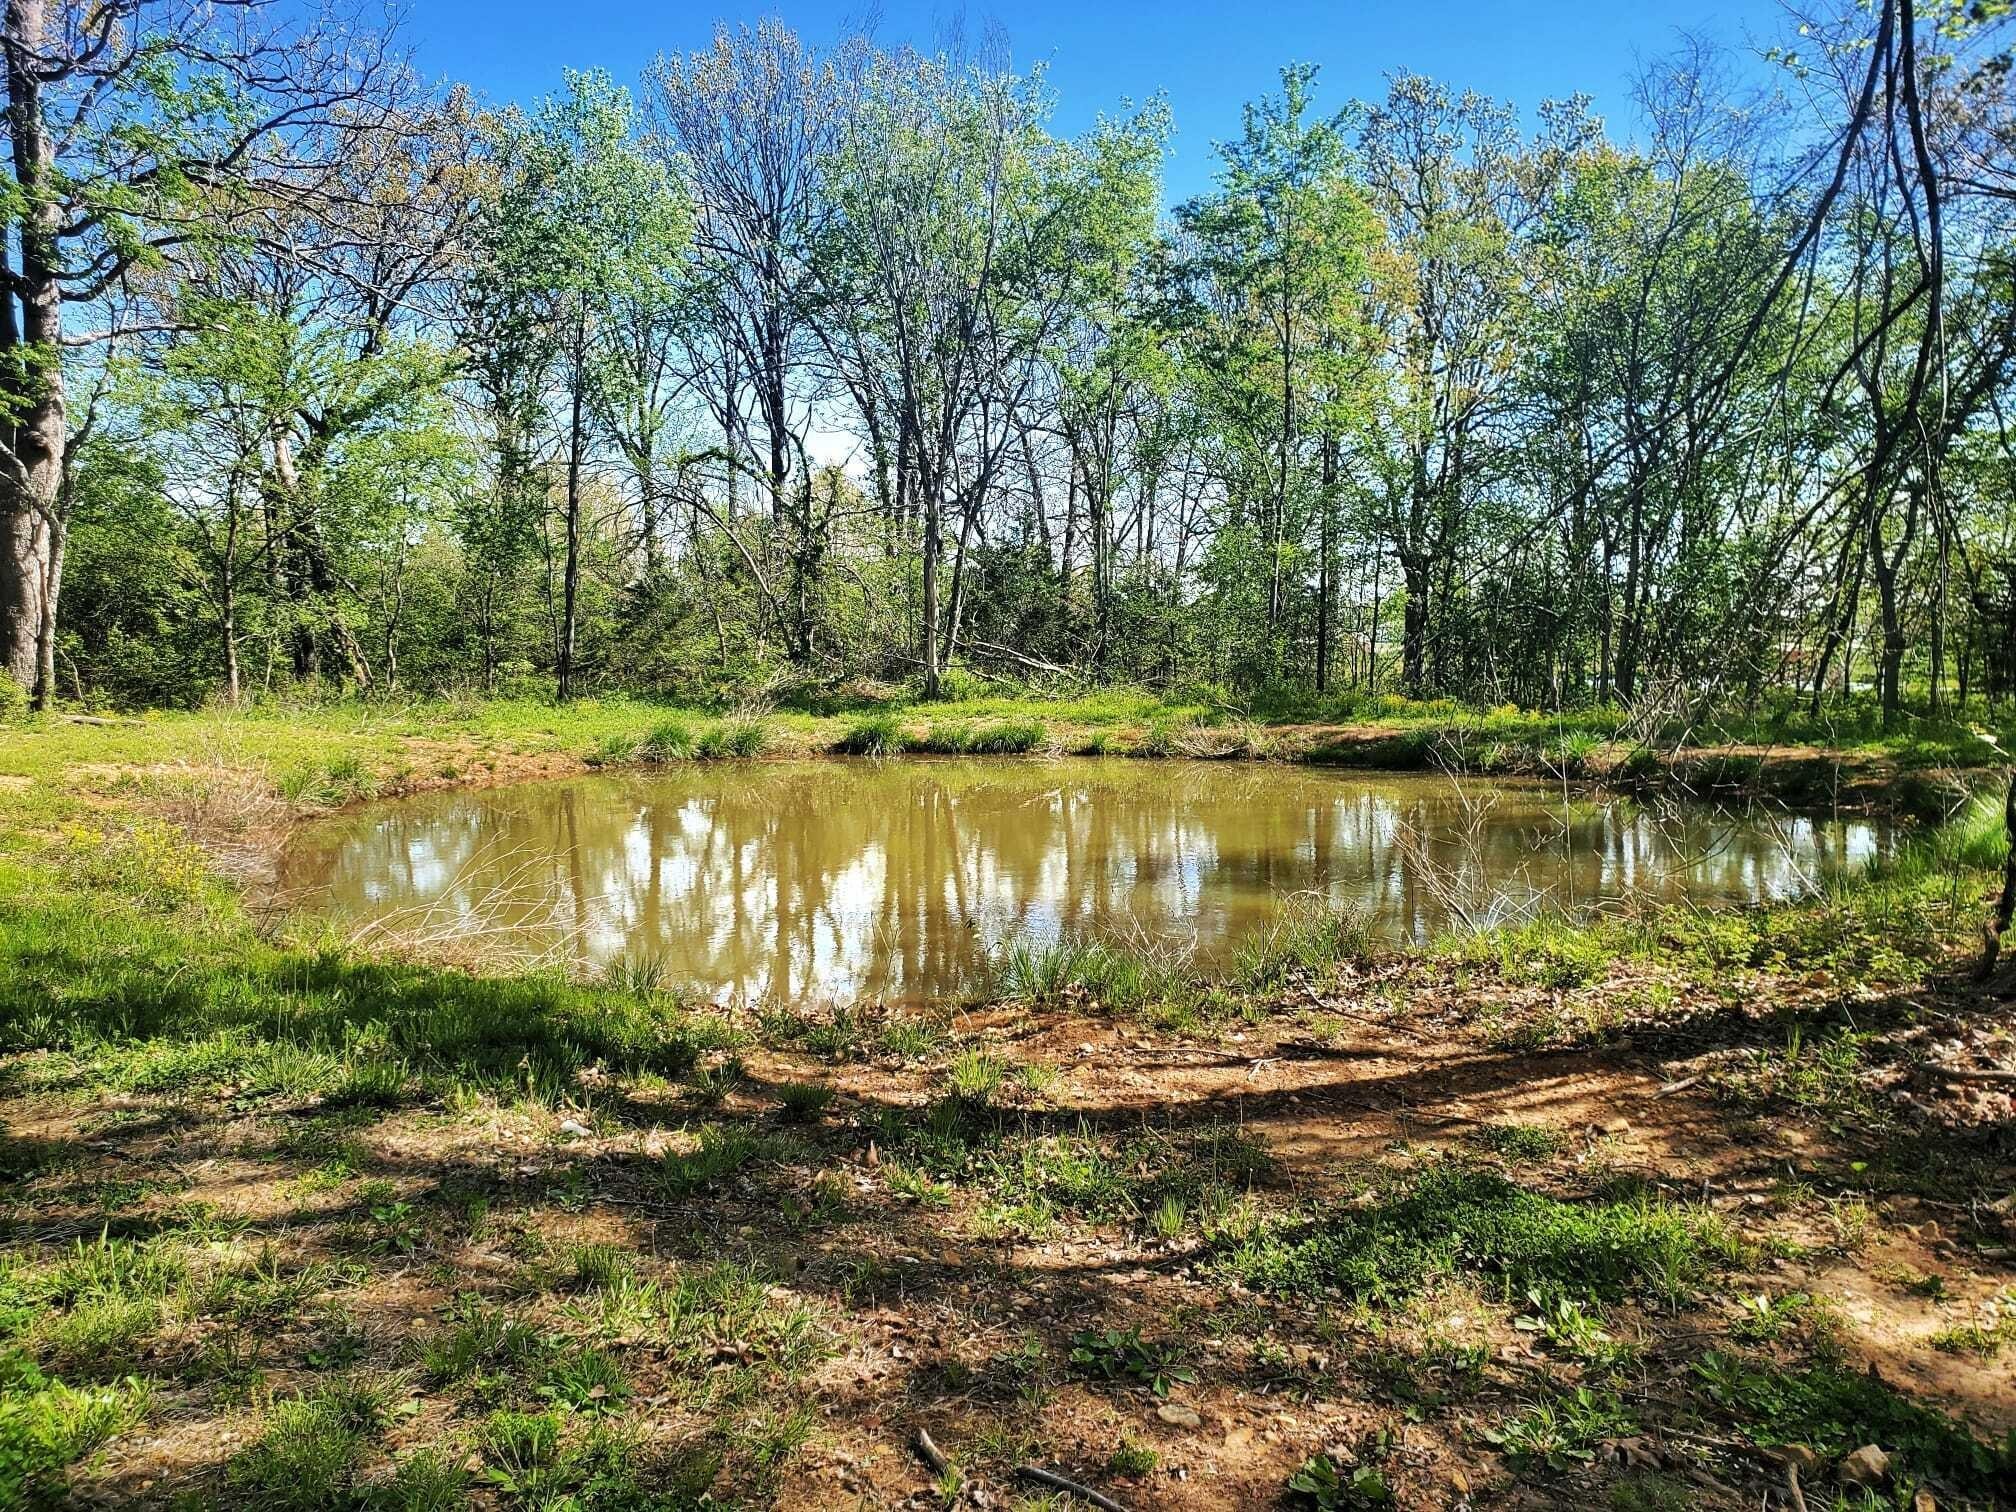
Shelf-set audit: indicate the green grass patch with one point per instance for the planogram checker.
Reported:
(1833, 1409)
(1456, 1219)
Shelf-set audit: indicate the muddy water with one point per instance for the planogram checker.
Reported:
(818, 880)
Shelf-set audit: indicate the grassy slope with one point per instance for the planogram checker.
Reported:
(334, 1206)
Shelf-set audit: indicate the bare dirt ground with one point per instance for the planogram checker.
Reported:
(955, 1305)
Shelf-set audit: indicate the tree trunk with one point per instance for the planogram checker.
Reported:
(1414, 631)
(31, 482)
(570, 583)
(928, 638)
(1888, 565)
(1326, 577)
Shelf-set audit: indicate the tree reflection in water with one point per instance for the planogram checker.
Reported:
(817, 880)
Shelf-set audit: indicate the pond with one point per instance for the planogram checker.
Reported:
(829, 880)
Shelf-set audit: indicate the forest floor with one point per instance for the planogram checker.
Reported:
(1689, 1209)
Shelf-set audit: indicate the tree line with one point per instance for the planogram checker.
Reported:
(793, 367)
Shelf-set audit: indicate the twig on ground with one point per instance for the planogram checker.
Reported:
(1056, 1482)
(929, 1452)
(1388, 1025)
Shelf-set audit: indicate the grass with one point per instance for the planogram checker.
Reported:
(310, 1452)
(876, 735)
(1454, 1219)
(1833, 1409)
(1094, 974)
(640, 1311)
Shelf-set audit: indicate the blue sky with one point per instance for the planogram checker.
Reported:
(1207, 59)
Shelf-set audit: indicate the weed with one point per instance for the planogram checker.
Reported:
(1983, 1337)
(478, 1336)
(1131, 1457)
(584, 1380)
(909, 1039)
(1832, 1410)
(600, 1267)
(1763, 1319)
(974, 1077)
(1116, 1353)
(803, 1102)
(1569, 1328)
(1329, 1487)
(1170, 1217)
(1300, 940)
(906, 1181)
(719, 1153)
(711, 1084)
(1519, 1142)
(308, 1455)
(46, 1426)
(1561, 1434)
(427, 1480)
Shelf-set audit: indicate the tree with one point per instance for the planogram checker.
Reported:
(1278, 272)
(140, 133)
(960, 242)
(583, 225)
(1459, 194)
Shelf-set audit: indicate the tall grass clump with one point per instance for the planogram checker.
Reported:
(1093, 972)
(732, 737)
(669, 740)
(1302, 938)
(874, 735)
(963, 738)
(1015, 738)
(954, 738)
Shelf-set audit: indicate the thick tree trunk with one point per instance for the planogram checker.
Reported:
(31, 481)
(1414, 632)
(25, 516)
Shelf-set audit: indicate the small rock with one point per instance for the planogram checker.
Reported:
(1867, 1466)
(1923, 1502)
(575, 1128)
(1176, 1415)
